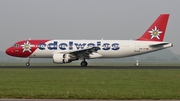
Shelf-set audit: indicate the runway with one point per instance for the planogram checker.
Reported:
(95, 67)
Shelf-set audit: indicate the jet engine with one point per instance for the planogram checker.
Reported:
(63, 58)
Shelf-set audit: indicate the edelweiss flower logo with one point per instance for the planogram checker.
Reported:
(27, 46)
(155, 33)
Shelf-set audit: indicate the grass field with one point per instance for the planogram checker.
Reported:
(90, 83)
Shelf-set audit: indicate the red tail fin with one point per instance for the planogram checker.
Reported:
(157, 30)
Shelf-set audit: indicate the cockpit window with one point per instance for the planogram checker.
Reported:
(16, 45)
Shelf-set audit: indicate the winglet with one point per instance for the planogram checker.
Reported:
(157, 30)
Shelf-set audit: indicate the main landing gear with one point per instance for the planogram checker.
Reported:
(84, 63)
(28, 63)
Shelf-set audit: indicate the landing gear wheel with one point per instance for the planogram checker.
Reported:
(84, 64)
(27, 64)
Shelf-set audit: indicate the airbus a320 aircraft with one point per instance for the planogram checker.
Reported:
(66, 51)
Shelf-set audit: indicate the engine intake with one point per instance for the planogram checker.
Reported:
(63, 58)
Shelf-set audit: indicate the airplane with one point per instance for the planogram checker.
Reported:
(66, 51)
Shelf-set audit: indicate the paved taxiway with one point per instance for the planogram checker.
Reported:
(97, 67)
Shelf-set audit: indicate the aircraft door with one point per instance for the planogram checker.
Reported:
(137, 47)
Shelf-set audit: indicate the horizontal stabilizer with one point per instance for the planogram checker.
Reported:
(158, 45)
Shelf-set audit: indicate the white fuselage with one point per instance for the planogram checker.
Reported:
(108, 48)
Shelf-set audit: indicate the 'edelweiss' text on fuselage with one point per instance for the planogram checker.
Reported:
(64, 46)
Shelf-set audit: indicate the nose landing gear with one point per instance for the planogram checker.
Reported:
(28, 63)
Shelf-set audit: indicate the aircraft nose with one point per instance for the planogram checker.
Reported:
(9, 51)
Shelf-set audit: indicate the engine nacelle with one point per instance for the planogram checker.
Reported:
(63, 58)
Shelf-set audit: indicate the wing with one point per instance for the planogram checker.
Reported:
(86, 53)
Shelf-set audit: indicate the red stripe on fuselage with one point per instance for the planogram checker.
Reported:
(24, 48)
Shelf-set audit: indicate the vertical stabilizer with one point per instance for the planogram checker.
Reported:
(157, 30)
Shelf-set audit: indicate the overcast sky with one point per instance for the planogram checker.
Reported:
(85, 19)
